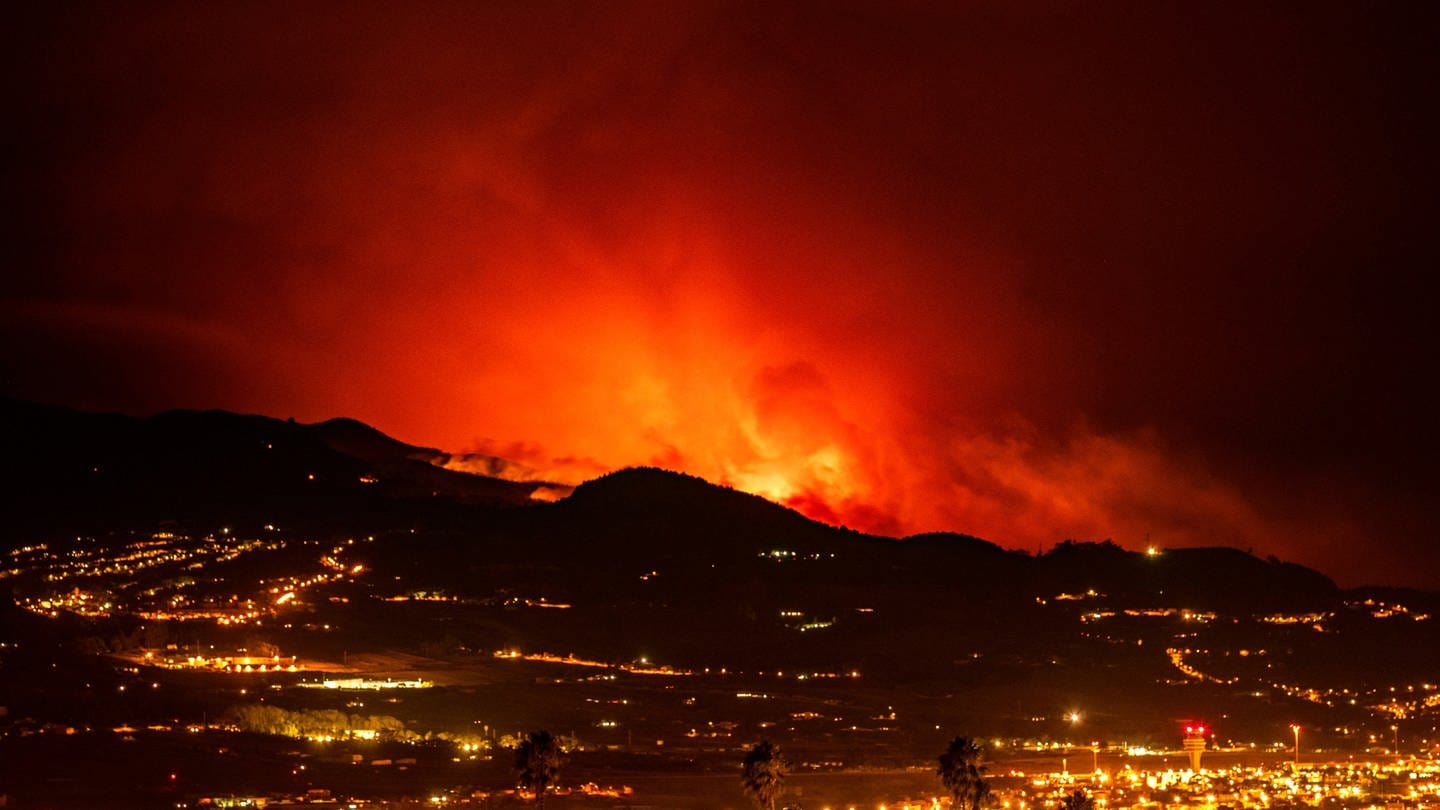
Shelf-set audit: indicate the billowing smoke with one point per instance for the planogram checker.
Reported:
(1028, 275)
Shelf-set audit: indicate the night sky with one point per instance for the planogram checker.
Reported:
(1091, 270)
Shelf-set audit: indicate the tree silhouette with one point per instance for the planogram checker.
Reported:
(962, 774)
(1079, 800)
(538, 760)
(763, 774)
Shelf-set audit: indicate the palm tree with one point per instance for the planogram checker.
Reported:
(962, 774)
(1078, 800)
(538, 760)
(763, 774)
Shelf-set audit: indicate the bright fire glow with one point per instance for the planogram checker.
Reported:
(515, 265)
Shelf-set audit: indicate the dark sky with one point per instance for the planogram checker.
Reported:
(1029, 271)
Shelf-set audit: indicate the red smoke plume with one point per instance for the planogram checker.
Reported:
(994, 271)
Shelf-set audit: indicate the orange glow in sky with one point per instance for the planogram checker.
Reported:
(1021, 273)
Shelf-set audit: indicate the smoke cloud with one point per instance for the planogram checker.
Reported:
(1024, 274)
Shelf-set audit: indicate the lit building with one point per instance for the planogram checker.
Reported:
(1194, 745)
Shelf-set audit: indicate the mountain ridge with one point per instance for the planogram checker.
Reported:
(209, 464)
(201, 464)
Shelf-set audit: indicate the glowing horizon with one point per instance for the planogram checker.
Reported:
(1044, 277)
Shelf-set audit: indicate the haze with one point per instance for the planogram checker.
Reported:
(1131, 271)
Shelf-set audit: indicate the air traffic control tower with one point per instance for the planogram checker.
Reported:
(1194, 744)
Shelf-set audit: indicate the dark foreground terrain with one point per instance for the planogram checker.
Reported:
(660, 625)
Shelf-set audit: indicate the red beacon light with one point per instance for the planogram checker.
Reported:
(1194, 744)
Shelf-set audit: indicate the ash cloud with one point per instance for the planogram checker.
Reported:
(1027, 274)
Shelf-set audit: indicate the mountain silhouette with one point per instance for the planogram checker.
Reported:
(71, 468)
(67, 467)
(649, 562)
